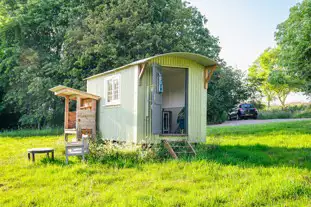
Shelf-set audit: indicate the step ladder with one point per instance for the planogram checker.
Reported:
(178, 148)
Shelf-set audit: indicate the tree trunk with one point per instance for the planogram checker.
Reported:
(282, 100)
(268, 104)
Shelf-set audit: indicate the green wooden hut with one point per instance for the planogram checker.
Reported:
(160, 97)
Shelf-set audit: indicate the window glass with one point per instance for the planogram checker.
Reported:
(116, 89)
(113, 90)
(247, 106)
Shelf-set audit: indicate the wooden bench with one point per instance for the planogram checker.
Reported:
(77, 148)
(34, 151)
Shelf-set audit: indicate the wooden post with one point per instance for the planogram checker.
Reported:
(66, 119)
(94, 104)
(78, 127)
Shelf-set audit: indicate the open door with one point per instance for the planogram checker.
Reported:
(156, 107)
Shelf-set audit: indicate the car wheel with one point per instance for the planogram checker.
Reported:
(238, 117)
(229, 118)
(255, 117)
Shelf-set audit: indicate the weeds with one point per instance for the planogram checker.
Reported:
(121, 155)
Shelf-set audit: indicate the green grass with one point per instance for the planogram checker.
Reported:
(253, 165)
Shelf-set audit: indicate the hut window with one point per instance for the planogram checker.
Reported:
(112, 85)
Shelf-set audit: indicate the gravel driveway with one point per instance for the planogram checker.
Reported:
(247, 122)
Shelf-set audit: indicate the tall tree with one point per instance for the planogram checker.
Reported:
(258, 74)
(118, 32)
(294, 39)
(50, 42)
(30, 51)
(270, 78)
(282, 84)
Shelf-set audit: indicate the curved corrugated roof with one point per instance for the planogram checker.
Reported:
(200, 59)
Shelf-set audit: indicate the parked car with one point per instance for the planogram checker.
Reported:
(243, 111)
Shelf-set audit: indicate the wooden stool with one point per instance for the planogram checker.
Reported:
(34, 151)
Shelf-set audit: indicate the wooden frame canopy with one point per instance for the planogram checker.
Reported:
(72, 93)
(83, 120)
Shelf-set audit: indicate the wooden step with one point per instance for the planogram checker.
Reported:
(183, 148)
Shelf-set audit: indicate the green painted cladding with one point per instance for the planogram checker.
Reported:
(131, 120)
(196, 100)
(117, 122)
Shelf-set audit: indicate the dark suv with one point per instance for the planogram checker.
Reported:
(243, 111)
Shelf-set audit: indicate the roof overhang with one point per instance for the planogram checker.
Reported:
(200, 59)
(72, 93)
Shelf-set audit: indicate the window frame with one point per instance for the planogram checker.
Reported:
(113, 101)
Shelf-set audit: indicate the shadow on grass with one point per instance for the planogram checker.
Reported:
(56, 161)
(255, 155)
(61, 162)
(239, 155)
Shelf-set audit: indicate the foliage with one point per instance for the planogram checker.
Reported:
(270, 79)
(120, 32)
(260, 165)
(293, 37)
(283, 84)
(30, 52)
(258, 104)
(51, 42)
(226, 89)
(259, 72)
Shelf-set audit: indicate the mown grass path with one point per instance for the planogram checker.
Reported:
(259, 165)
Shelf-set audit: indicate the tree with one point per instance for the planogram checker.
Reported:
(31, 44)
(50, 42)
(283, 84)
(227, 88)
(294, 39)
(259, 72)
(270, 78)
(118, 32)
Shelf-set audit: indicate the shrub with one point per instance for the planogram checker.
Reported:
(291, 111)
(274, 114)
(32, 132)
(303, 114)
(121, 155)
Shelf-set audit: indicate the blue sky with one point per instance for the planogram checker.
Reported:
(245, 28)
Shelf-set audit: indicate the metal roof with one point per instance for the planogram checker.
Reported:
(72, 93)
(200, 59)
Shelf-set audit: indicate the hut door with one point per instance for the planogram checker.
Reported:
(156, 107)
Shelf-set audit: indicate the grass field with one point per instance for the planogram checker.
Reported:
(253, 165)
